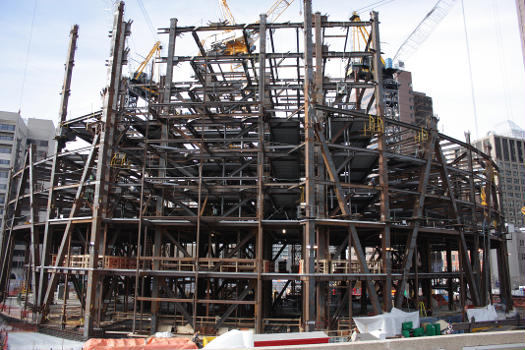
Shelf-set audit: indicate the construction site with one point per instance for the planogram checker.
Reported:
(243, 180)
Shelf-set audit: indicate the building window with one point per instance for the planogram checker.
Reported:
(498, 147)
(3, 174)
(7, 127)
(512, 150)
(43, 143)
(6, 137)
(5, 149)
(3, 186)
(505, 145)
(4, 161)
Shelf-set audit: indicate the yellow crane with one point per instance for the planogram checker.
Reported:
(232, 42)
(226, 12)
(141, 78)
(143, 64)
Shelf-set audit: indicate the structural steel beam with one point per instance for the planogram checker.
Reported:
(105, 153)
(417, 217)
(59, 145)
(210, 176)
(53, 279)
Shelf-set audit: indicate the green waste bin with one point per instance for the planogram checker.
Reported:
(430, 330)
(418, 332)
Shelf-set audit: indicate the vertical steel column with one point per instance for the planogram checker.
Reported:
(383, 167)
(322, 252)
(5, 207)
(197, 249)
(157, 238)
(474, 252)
(502, 256)
(309, 143)
(7, 244)
(417, 217)
(450, 289)
(59, 145)
(100, 199)
(33, 215)
(260, 173)
(350, 283)
(169, 66)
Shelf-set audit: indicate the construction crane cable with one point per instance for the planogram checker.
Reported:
(148, 19)
(26, 65)
(374, 5)
(504, 74)
(470, 70)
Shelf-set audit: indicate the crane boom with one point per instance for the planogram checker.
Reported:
(424, 29)
(144, 63)
(278, 7)
(226, 12)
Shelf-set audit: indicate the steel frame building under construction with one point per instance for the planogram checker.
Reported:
(189, 188)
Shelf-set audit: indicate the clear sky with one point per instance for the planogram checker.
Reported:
(35, 33)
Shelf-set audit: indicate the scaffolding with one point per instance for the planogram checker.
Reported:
(191, 188)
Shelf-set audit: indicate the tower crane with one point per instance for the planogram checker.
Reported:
(424, 29)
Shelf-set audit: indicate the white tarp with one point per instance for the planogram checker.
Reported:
(38, 341)
(233, 339)
(480, 314)
(387, 324)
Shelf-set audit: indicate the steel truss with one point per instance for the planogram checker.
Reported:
(190, 183)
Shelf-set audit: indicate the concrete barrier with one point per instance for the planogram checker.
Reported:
(507, 340)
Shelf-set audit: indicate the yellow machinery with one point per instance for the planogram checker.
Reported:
(141, 78)
(232, 42)
(360, 38)
(142, 66)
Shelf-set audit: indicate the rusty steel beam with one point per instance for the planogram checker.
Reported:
(59, 145)
(263, 103)
(33, 214)
(382, 164)
(105, 152)
(53, 279)
(417, 212)
(309, 166)
(471, 278)
(356, 243)
(7, 237)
